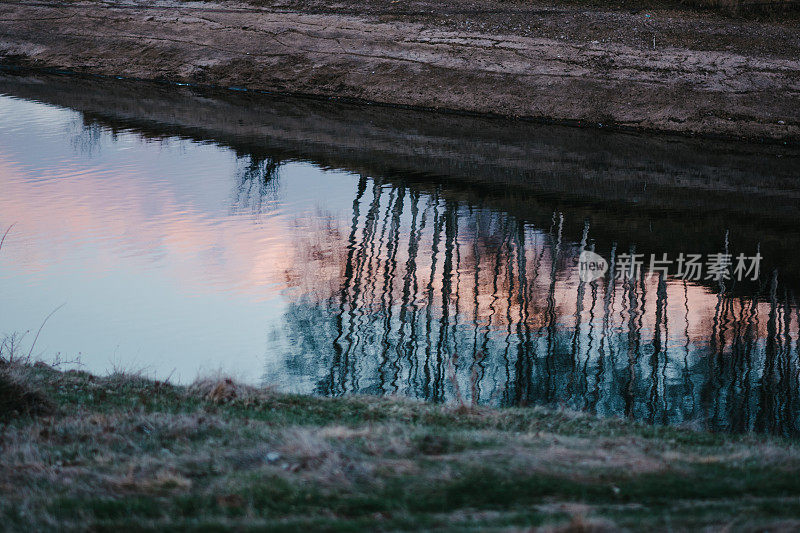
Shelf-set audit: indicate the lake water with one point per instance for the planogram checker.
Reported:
(329, 248)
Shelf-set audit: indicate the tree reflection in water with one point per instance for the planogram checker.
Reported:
(257, 179)
(427, 297)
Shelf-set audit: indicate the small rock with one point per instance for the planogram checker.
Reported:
(272, 457)
(781, 122)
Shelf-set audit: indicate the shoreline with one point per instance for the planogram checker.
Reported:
(423, 65)
(788, 142)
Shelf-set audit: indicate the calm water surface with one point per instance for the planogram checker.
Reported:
(331, 249)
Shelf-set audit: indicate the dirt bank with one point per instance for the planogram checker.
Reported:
(662, 70)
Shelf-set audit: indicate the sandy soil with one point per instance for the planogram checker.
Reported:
(664, 70)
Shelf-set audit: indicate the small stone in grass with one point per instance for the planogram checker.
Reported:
(271, 457)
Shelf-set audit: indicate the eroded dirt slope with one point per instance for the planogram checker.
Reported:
(477, 60)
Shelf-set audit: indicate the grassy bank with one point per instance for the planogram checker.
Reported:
(102, 452)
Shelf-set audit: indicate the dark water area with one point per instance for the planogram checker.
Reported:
(331, 249)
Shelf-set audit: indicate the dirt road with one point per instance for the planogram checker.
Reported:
(661, 70)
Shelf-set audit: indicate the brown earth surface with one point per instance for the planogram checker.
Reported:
(647, 66)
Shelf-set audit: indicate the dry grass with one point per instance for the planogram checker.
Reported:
(19, 397)
(118, 450)
(221, 389)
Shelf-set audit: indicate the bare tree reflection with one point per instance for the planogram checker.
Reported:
(257, 182)
(85, 135)
(446, 302)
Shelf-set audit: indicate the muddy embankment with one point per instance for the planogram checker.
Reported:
(668, 194)
(669, 71)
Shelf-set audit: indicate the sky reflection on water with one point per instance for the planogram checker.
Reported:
(183, 255)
